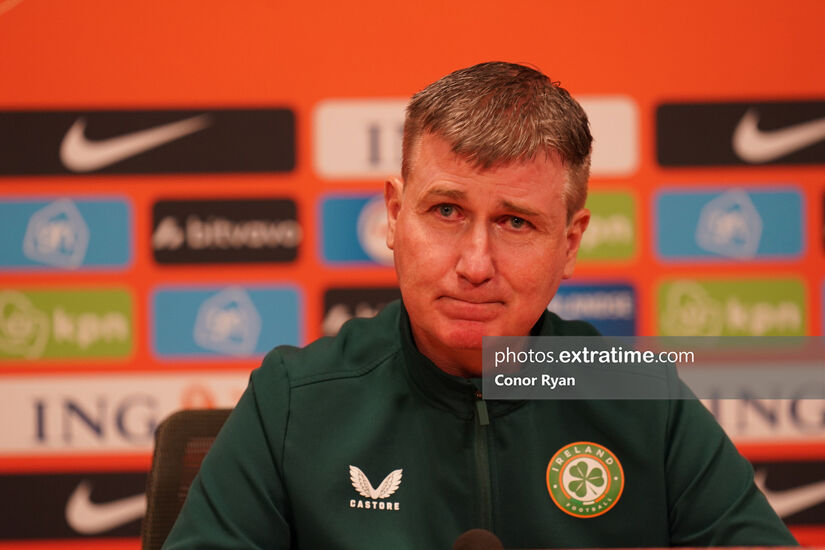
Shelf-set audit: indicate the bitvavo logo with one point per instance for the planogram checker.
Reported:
(226, 230)
(738, 224)
(774, 307)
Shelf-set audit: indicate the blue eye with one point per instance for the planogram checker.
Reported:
(446, 210)
(517, 223)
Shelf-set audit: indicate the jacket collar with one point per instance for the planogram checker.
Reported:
(447, 391)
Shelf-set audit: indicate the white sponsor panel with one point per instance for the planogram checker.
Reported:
(770, 421)
(614, 123)
(361, 138)
(57, 415)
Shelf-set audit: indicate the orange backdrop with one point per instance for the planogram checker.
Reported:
(193, 54)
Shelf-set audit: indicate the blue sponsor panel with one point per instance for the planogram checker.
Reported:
(735, 223)
(354, 230)
(65, 234)
(231, 321)
(611, 308)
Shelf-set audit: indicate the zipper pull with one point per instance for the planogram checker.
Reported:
(481, 410)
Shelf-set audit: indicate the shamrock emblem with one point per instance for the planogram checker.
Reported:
(582, 477)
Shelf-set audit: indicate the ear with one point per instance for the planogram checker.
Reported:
(393, 191)
(574, 232)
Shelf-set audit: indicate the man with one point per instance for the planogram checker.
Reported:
(380, 437)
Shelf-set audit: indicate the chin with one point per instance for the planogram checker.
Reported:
(466, 334)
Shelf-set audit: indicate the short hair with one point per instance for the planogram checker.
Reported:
(496, 113)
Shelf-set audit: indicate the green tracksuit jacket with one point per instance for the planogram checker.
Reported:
(359, 442)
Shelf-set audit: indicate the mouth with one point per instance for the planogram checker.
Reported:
(470, 309)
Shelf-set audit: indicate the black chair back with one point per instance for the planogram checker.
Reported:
(181, 442)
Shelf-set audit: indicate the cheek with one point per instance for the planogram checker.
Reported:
(421, 253)
(535, 273)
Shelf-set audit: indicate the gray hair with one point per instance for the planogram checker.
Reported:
(495, 113)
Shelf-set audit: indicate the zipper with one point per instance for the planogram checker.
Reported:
(482, 455)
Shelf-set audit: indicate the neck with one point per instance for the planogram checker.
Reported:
(465, 363)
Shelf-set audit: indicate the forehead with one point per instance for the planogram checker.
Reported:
(434, 167)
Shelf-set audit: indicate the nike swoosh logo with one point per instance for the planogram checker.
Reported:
(80, 154)
(790, 501)
(754, 145)
(90, 518)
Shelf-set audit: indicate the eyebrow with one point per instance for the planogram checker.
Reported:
(519, 209)
(455, 194)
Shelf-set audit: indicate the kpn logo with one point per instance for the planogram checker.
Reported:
(65, 324)
(732, 307)
(64, 234)
(611, 234)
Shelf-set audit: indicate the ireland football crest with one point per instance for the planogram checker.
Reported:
(585, 479)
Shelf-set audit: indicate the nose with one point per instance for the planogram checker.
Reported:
(475, 259)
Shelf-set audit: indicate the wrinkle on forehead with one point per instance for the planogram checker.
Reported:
(547, 155)
(511, 186)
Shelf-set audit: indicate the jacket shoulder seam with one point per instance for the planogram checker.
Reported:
(338, 375)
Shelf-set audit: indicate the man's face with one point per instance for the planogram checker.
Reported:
(478, 253)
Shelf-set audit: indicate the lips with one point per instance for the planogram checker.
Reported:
(470, 309)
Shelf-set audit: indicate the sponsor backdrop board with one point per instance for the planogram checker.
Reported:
(173, 203)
